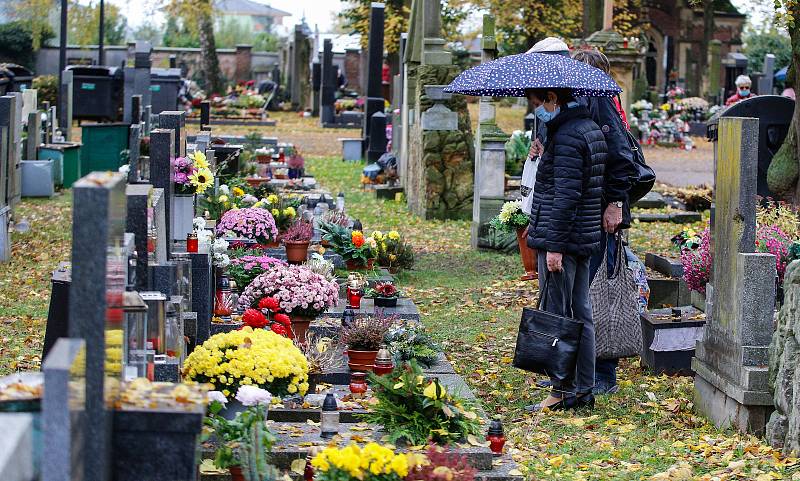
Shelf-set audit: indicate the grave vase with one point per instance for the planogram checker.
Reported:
(236, 473)
(182, 211)
(300, 326)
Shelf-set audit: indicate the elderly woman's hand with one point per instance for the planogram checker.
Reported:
(554, 262)
(536, 149)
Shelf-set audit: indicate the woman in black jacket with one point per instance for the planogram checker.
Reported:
(565, 226)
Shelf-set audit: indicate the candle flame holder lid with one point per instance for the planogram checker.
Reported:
(496, 428)
(329, 404)
(383, 357)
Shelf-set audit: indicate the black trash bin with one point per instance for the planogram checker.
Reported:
(165, 83)
(774, 114)
(97, 92)
(23, 77)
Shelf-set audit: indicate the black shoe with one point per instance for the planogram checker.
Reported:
(544, 384)
(563, 405)
(585, 400)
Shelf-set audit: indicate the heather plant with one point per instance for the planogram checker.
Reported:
(300, 231)
(299, 291)
(771, 239)
(697, 263)
(366, 334)
(251, 223)
(781, 215)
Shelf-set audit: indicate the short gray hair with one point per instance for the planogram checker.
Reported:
(593, 57)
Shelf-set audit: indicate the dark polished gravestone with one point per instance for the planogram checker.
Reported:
(98, 229)
(175, 121)
(162, 154)
(327, 85)
(374, 101)
(64, 419)
(731, 385)
(139, 203)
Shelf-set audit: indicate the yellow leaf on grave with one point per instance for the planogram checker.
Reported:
(556, 461)
(312, 423)
(515, 472)
(473, 440)
(207, 467)
(470, 415)
(299, 466)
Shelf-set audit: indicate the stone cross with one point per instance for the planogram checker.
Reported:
(608, 15)
(98, 228)
(730, 362)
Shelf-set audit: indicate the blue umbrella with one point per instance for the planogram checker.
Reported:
(780, 75)
(511, 76)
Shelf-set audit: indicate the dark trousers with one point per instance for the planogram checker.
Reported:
(568, 295)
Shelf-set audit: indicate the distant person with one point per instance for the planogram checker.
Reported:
(743, 84)
(788, 92)
(341, 80)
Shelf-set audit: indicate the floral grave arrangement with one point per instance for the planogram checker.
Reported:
(249, 357)
(373, 462)
(283, 209)
(244, 441)
(511, 218)
(192, 174)
(383, 289)
(392, 251)
(250, 223)
(409, 341)
(366, 334)
(298, 290)
(418, 410)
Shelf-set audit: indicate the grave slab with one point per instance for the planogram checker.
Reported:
(406, 309)
(16, 447)
(664, 265)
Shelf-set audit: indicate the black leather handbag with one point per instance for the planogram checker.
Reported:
(547, 343)
(646, 176)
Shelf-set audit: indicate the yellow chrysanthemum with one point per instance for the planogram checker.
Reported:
(275, 212)
(200, 160)
(394, 235)
(272, 199)
(202, 179)
(238, 191)
(289, 211)
(223, 198)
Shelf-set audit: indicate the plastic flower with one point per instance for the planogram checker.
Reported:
(200, 160)
(394, 235)
(253, 396)
(217, 396)
(434, 391)
(254, 318)
(357, 237)
(269, 303)
(202, 179)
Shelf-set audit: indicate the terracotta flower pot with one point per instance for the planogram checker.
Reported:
(236, 473)
(528, 256)
(361, 360)
(272, 245)
(300, 326)
(353, 265)
(296, 252)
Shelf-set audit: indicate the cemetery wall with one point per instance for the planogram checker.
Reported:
(441, 162)
(260, 62)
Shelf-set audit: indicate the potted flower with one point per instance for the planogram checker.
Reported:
(296, 239)
(373, 462)
(244, 269)
(191, 175)
(356, 251)
(246, 357)
(409, 341)
(322, 357)
(243, 439)
(300, 292)
(384, 294)
(250, 223)
(512, 219)
(392, 251)
(363, 338)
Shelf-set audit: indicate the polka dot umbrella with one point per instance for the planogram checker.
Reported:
(510, 76)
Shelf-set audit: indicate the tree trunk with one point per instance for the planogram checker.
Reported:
(209, 62)
(708, 36)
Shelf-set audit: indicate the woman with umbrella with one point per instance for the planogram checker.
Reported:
(566, 214)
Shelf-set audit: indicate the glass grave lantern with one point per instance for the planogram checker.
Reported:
(135, 359)
(156, 322)
(183, 278)
(175, 345)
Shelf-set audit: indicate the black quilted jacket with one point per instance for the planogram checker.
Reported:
(566, 211)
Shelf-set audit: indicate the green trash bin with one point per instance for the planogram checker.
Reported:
(67, 157)
(102, 145)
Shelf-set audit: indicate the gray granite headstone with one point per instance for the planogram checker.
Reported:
(63, 411)
(134, 143)
(98, 227)
(65, 109)
(17, 447)
(175, 121)
(162, 154)
(34, 138)
(731, 360)
(159, 222)
(10, 117)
